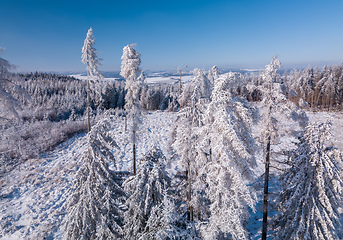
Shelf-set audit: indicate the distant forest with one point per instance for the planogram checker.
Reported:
(56, 101)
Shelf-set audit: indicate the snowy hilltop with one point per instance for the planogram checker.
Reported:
(219, 156)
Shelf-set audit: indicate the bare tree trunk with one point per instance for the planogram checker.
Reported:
(134, 156)
(265, 196)
(210, 153)
(125, 123)
(189, 193)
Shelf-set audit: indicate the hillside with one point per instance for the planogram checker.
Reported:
(33, 194)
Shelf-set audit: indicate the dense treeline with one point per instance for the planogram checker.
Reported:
(50, 108)
(308, 88)
(56, 98)
(67, 95)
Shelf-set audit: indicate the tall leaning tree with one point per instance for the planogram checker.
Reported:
(277, 108)
(130, 71)
(90, 58)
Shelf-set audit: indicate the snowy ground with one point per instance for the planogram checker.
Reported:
(149, 80)
(81, 77)
(32, 195)
(336, 119)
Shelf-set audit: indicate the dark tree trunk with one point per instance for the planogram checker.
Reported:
(134, 158)
(265, 196)
(189, 195)
(125, 122)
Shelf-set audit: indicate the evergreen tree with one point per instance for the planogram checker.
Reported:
(187, 143)
(93, 207)
(145, 191)
(89, 57)
(203, 85)
(130, 70)
(162, 222)
(277, 106)
(213, 74)
(231, 163)
(311, 189)
(8, 104)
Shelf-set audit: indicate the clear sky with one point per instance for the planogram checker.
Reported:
(47, 35)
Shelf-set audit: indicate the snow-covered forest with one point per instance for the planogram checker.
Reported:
(234, 156)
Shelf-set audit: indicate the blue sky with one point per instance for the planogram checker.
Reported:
(48, 35)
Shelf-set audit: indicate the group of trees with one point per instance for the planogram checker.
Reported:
(212, 147)
(319, 89)
(214, 151)
(310, 88)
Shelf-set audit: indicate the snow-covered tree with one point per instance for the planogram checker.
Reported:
(199, 81)
(231, 163)
(93, 210)
(311, 193)
(186, 142)
(130, 71)
(162, 222)
(90, 58)
(8, 104)
(213, 74)
(145, 190)
(277, 107)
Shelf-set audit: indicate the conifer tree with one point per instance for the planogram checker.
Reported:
(8, 104)
(130, 71)
(93, 207)
(203, 85)
(231, 163)
(186, 142)
(311, 189)
(90, 58)
(213, 74)
(145, 191)
(162, 222)
(276, 106)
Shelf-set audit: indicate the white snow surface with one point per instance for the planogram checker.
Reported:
(80, 77)
(149, 80)
(169, 80)
(32, 195)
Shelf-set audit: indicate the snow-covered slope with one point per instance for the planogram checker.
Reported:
(33, 194)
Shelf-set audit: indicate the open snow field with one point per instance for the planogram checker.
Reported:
(149, 80)
(33, 194)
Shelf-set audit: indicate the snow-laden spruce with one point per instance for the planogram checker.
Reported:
(191, 151)
(90, 58)
(213, 74)
(231, 163)
(8, 104)
(145, 190)
(277, 109)
(201, 82)
(214, 147)
(162, 222)
(93, 207)
(130, 71)
(311, 193)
